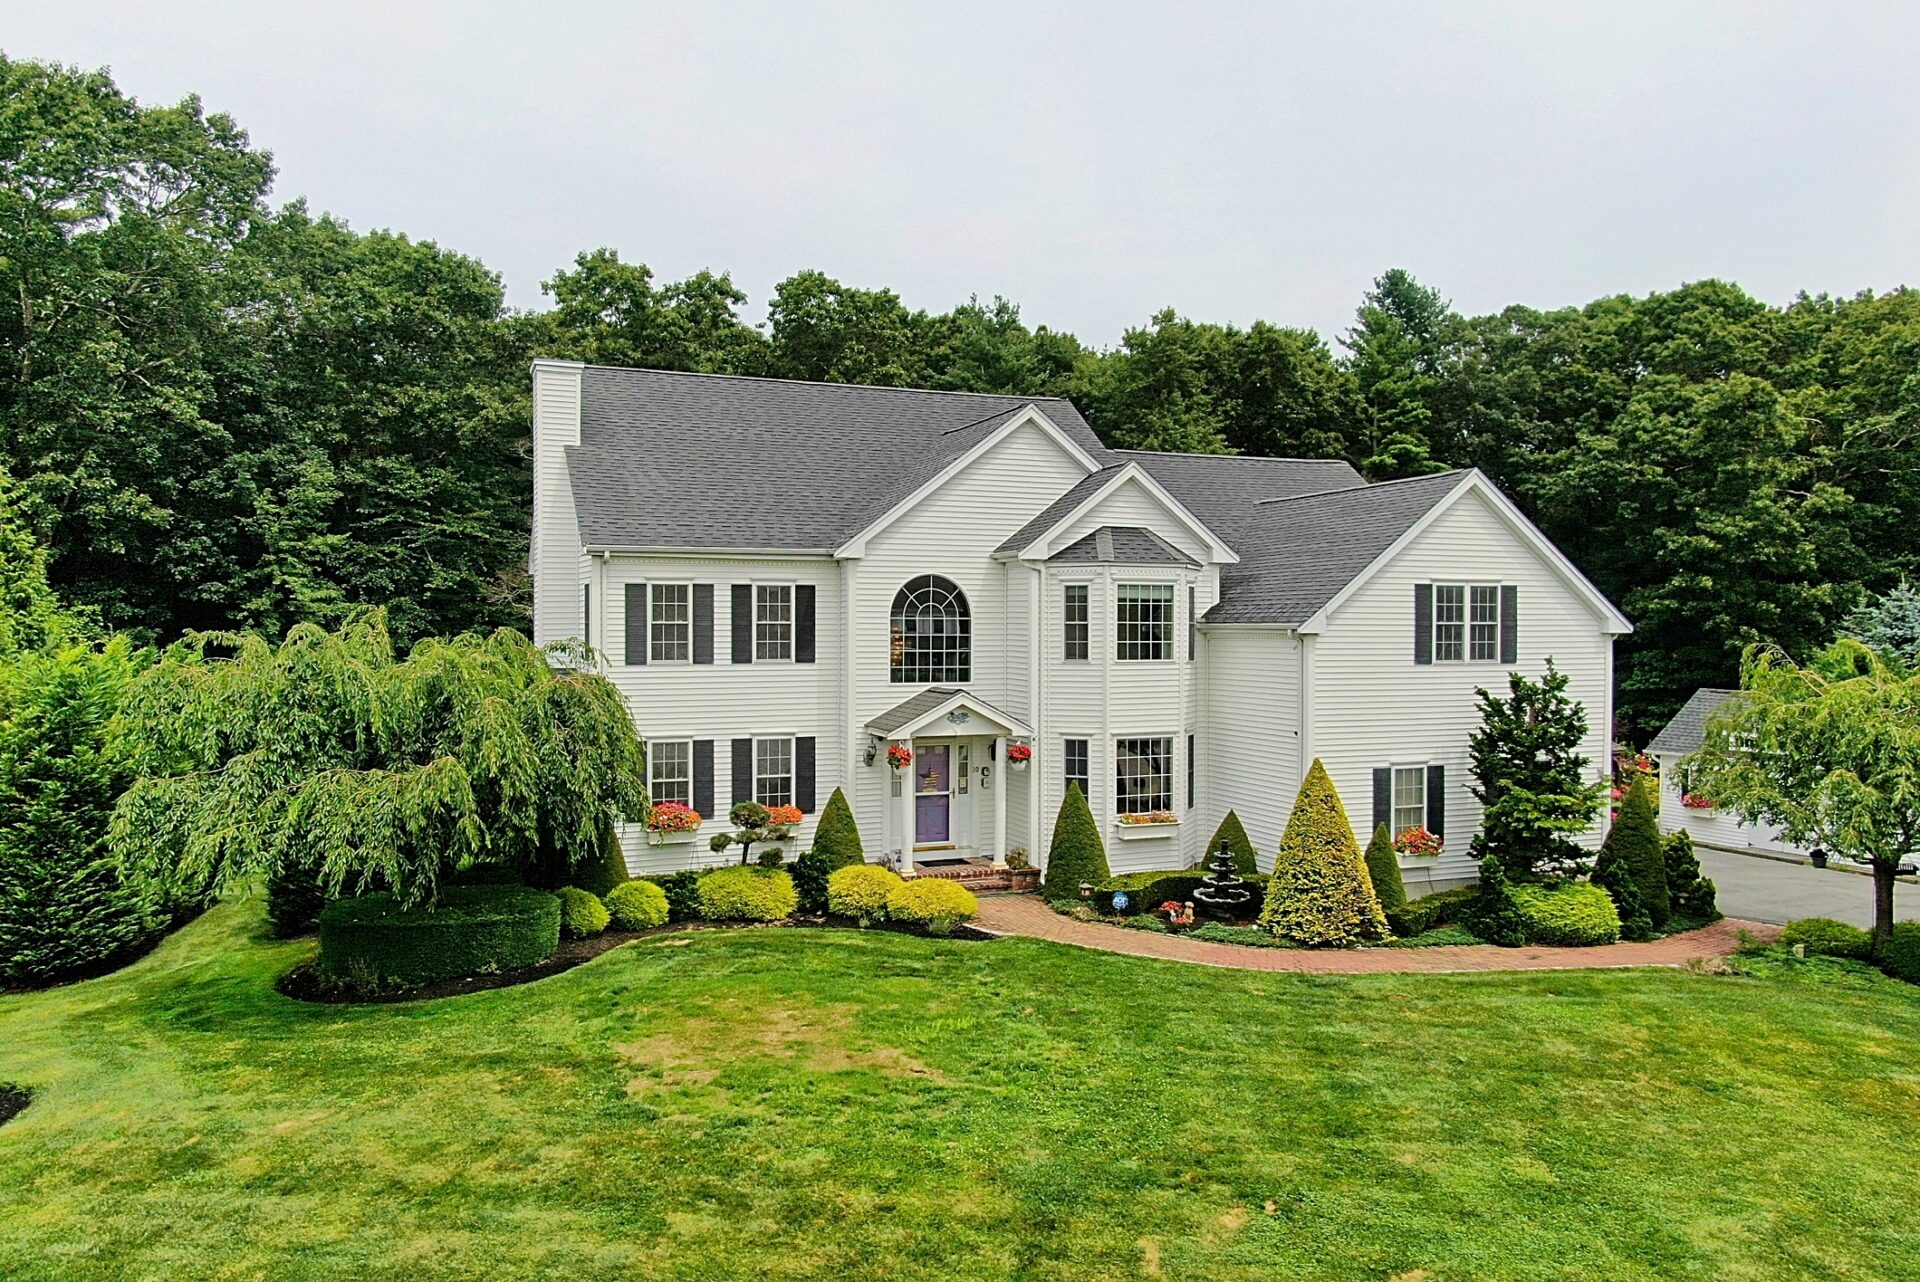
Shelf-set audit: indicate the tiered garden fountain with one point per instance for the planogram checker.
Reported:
(1222, 892)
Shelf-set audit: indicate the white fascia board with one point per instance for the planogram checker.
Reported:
(857, 545)
(1612, 622)
(1218, 553)
(711, 554)
(1005, 724)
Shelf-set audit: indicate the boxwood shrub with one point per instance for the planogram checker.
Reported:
(1825, 937)
(1901, 957)
(637, 905)
(861, 890)
(1443, 908)
(1571, 914)
(932, 902)
(747, 894)
(582, 915)
(371, 943)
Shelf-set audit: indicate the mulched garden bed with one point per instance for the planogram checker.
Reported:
(304, 983)
(12, 1100)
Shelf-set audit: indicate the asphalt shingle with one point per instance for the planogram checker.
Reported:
(1688, 729)
(1123, 545)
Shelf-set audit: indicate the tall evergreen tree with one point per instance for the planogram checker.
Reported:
(1530, 778)
(1319, 894)
(1634, 843)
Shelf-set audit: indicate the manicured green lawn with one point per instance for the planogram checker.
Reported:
(792, 1103)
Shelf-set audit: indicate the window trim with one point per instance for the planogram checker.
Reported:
(792, 775)
(654, 626)
(1394, 826)
(1085, 777)
(1466, 622)
(653, 758)
(963, 617)
(1084, 623)
(793, 620)
(1171, 646)
(1119, 802)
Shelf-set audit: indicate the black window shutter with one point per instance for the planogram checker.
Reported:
(1193, 623)
(1437, 801)
(803, 627)
(1423, 623)
(703, 625)
(586, 611)
(703, 777)
(743, 623)
(1192, 770)
(1382, 796)
(742, 770)
(803, 774)
(1509, 624)
(637, 623)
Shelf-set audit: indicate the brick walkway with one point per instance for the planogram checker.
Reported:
(1027, 915)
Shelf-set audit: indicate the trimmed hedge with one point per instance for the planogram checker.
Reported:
(1569, 915)
(1901, 957)
(371, 943)
(1443, 908)
(747, 894)
(582, 915)
(637, 905)
(933, 902)
(1146, 891)
(862, 891)
(1825, 937)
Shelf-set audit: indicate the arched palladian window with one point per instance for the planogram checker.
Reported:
(931, 639)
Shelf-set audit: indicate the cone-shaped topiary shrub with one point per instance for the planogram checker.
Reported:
(1319, 894)
(637, 905)
(1383, 869)
(1077, 853)
(1690, 894)
(1246, 860)
(1635, 843)
(1610, 873)
(838, 837)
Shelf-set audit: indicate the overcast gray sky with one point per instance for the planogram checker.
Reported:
(1092, 164)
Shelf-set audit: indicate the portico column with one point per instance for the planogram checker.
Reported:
(905, 811)
(1000, 799)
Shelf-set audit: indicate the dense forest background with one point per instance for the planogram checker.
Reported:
(222, 414)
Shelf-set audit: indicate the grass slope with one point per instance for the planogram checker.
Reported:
(799, 1104)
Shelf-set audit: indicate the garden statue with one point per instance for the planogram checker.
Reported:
(1222, 892)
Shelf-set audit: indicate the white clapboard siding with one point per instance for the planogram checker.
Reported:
(1721, 828)
(555, 561)
(1252, 740)
(1373, 706)
(1132, 504)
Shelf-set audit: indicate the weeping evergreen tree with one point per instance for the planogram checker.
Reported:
(375, 771)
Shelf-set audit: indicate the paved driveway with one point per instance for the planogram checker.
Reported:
(1768, 890)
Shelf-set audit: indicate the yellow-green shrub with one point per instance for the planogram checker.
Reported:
(747, 894)
(582, 915)
(1570, 915)
(637, 905)
(1319, 894)
(861, 890)
(932, 902)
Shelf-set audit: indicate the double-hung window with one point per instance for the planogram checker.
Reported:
(1466, 622)
(1075, 757)
(1079, 623)
(1409, 798)
(773, 772)
(1142, 775)
(670, 770)
(1144, 618)
(772, 622)
(670, 638)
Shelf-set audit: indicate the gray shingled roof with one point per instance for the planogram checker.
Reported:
(1297, 553)
(1055, 512)
(910, 710)
(1225, 490)
(1123, 545)
(1688, 729)
(705, 460)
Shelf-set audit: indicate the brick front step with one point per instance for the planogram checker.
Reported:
(979, 878)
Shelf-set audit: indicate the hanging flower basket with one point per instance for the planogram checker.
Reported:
(1018, 755)
(899, 756)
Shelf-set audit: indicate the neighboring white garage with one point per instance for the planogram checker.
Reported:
(1708, 826)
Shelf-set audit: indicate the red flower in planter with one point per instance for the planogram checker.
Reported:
(1019, 753)
(899, 756)
(671, 816)
(1694, 801)
(784, 816)
(1418, 841)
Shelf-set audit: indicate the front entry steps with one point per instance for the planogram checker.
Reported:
(979, 875)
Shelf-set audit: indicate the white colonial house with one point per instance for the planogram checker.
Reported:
(789, 579)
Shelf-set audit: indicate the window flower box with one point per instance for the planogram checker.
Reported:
(1147, 823)
(1694, 801)
(670, 823)
(1419, 843)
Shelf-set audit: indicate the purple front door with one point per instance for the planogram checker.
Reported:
(932, 779)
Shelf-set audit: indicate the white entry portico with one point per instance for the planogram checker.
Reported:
(949, 801)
